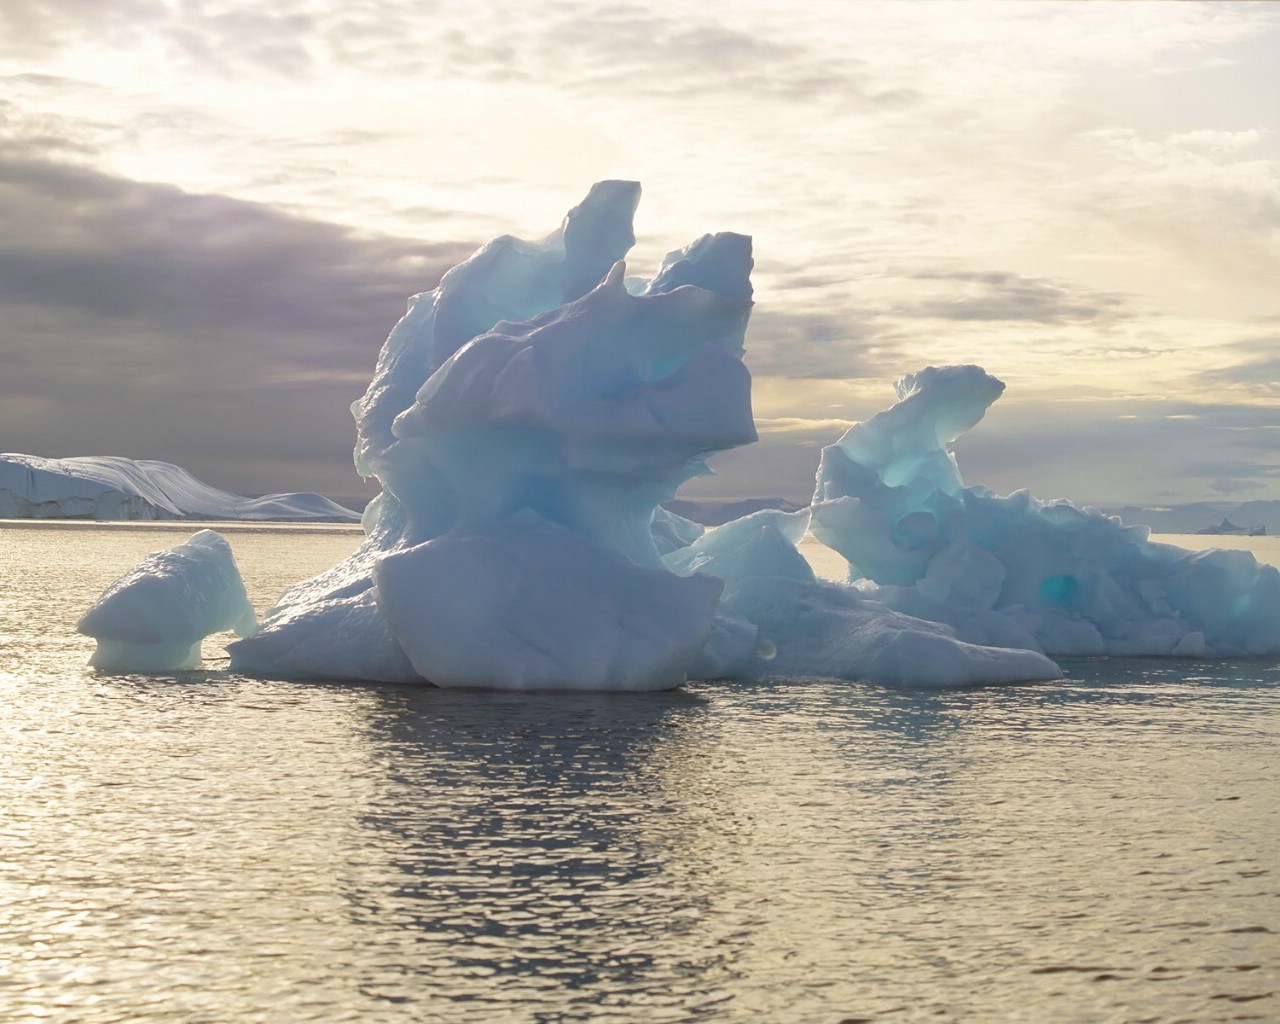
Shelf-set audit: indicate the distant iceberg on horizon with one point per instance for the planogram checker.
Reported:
(109, 487)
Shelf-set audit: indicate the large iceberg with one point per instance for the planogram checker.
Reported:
(1046, 575)
(527, 418)
(110, 487)
(153, 618)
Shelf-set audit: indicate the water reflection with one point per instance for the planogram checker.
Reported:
(207, 847)
(531, 837)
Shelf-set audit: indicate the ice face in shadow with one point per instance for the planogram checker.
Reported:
(542, 610)
(1015, 570)
(525, 419)
(153, 618)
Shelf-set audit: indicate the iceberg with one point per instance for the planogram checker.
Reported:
(528, 417)
(110, 487)
(525, 420)
(153, 618)
(541, 610)
(1047, 575)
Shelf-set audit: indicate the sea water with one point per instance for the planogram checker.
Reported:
(205, 847)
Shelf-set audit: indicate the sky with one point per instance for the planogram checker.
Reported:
(212, 212)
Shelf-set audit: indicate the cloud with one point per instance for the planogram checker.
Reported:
(36, 28)
(1231, 476)
(664, 54)
(1113, 450)
(1204, 204)
(154, 254)
(1258, 368)
(822, 430)
(836, 342)
(151, 322)
(214, 38)
(1001, 295)
(653, 50)
(1091, 451)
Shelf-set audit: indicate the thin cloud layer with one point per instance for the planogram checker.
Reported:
(1002, 295)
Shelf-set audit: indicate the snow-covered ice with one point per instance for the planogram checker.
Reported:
(110, 487)
(153, 618)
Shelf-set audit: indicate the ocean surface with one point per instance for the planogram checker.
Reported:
(205, 847)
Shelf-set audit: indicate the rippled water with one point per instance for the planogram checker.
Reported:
(211, 848)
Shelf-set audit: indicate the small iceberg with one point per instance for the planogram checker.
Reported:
(153, 618)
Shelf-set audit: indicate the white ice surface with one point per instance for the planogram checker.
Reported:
(109, 487)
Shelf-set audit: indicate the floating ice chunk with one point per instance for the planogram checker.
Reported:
(330, 638)
(807, 627)
(153, 618)
(672, 532)
(903, 449)
(588, 414)
(1067, 580)
(530, 605)
(760, 544)
(527, 418)
(733, 650)
(508, 279)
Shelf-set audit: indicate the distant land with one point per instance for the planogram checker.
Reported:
(1204, 517)
(108, 487)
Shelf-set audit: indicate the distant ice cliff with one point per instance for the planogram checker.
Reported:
(109, 487)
